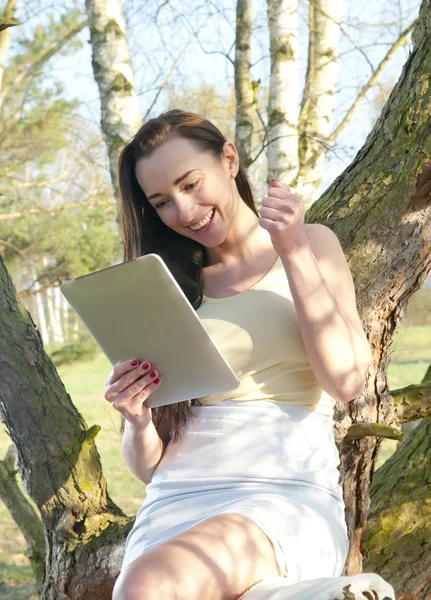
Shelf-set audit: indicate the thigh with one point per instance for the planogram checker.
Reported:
(217, 559)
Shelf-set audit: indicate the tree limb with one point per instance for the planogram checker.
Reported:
(42, 58)
(401, 41)
(50, 209)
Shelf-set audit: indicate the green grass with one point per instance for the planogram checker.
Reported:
(85, 382)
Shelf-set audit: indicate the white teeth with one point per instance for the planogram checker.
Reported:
(203, 222)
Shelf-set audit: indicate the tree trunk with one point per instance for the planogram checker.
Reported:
(6, 18)
(245, 88)
(113, 72)
(58, 462)
(380, 210)
(397, 539)
(283, 90)
(318, 104)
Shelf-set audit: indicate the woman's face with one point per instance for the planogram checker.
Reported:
(188, 188)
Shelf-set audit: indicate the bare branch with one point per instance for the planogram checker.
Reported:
(42, 58)
(44, 210)
(360, 430)
(401, 41)
(413, 402)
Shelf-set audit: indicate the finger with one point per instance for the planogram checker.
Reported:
(279, 203)
(131, 383)
(280, 184)
(274, 214)
(277, 192)
(135, 395)
(120, 368)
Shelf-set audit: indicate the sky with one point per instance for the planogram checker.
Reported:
(371, 26)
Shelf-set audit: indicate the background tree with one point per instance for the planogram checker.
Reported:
(379, 208)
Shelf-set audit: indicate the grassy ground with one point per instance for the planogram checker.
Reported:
(410, 357)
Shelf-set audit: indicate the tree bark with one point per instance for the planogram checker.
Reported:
(113, 72)
(245, 88)
(58, 462)
(6, 20)
(380, 210)
(397, 539)
(283, 90)
(318, 103)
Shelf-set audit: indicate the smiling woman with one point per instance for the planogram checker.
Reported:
(247, 488)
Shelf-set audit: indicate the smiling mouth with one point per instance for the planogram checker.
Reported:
(205, 222)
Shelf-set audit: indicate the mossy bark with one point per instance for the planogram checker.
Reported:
(58, 462)
(112, 68)
(380, 209)
(397, 538)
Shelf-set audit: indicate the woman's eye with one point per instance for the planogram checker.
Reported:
(159, 204)
(192, 185)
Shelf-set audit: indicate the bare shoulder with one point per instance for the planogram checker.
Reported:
(321, 238)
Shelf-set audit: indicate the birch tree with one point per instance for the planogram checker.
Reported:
(245, 88)
(282, 135)
(298, 145)
(113, 72)
(380, 210)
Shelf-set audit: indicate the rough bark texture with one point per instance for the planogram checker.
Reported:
(113, 72)
(397, 539)
(245, 88)
(23, 514)
(380, 210)
(318, 104)
(58, 462)
(283, 90)
(6, 21)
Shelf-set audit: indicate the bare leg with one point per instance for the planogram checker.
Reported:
(217, 559)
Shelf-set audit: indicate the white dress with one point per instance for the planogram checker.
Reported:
(276, 465)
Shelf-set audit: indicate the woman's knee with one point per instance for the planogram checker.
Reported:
(140, 585)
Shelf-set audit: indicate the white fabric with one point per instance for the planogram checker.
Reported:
(333, 588)
(274, 464)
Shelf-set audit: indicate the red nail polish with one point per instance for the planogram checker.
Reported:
(146, 365)
(134, 363)
(157, 380)
(153, 374)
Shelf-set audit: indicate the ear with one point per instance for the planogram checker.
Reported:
(231, 158)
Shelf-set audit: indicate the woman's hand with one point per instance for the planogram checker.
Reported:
(282, 215)
(128, 386)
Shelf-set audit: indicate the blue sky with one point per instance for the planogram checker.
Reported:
(373, 27)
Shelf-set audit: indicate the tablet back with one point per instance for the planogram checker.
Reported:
(136, 309)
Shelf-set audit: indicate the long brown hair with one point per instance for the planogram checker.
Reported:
(144, 232)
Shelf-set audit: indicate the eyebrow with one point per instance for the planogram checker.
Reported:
(176, 182)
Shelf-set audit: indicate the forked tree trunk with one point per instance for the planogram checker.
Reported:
(112, 68)
(380, 210)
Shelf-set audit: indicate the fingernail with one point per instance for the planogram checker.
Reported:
(134, 363)
(146, 365)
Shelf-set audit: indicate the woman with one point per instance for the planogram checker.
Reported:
(241, 486)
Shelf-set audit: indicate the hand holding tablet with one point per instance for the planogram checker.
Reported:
(137, 310)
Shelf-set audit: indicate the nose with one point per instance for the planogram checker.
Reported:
(187, 211)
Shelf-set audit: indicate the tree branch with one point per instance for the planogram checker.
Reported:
(42, 58)
(401, 41)
(49, 209)
(413, 402)
(360, 430)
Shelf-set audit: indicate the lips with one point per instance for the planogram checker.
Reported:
(209, 215)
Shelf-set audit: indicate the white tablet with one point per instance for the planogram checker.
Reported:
(136, 309)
